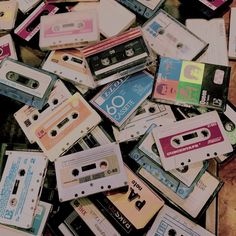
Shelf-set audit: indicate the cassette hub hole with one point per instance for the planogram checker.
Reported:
(1, 51)
(22, 172)
(53, 133)
(65, 58)
(1, 13)
(103, 165)
(82, 192)
(55, 101)
(176, 141)
(151, 109)
(35, 117)
(172, 232)
(35, 85)
(74, 115)
(204, 133)
(162, 31)
(75, 172)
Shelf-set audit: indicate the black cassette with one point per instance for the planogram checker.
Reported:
(206, 8)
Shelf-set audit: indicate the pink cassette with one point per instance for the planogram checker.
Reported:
(31, 25)
(7, 47)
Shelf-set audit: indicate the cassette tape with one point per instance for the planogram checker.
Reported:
(136, 206)
(232, 34)
(26, 84)
(20, 187)
(188, 175)
(207, 9)
(31, 25)
(188, 83)
(69, 122)
(66, 221)
(68, 30)
(143, 8)
(95, 220)
(28, 117)
(7, 47)
(8, 14)
(119, 99)
(213, 32)
(26, 5)
(69, 65)
(191, 140)
(148, 113)
(90, 171)
(171, 222)
(196, 203)
(175, 180)
(168, 37)
(117, 56)
(37, 228)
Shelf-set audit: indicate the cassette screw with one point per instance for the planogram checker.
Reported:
(172, 232)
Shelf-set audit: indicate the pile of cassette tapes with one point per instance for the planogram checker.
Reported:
(112, 132)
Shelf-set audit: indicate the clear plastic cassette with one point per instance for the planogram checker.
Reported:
(26, 84)
(169, 38)
(91, 171)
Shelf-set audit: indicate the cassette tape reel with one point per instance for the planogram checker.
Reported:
(170, 222)
(8, 14)
(68, 30)
(7, 47)
(28, 117)
(168, 37)
(26, 84)
(192, 140)
(58, 131)
(69, 65)
(90, 171)
(31, 25)
(21, 184)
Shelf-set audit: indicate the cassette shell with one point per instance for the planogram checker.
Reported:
(24, 83)
(101, 169)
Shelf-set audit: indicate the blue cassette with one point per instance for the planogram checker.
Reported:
(143, 8)
(121, 98)
(167, 178)
(26, 84)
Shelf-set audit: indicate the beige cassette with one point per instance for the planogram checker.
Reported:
(20, 187)
(28, 116)
(65, 125)
(91, 171)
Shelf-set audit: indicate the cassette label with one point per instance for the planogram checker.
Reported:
(117, 57)
(28, 117)
(148, 113)
(93, 217)
(24, 83)
(189, 83)
(170, 222)
(65, 125)
(21, 187)
(169, 38)
(69, 64)
(232, 34)
(90, 171)
(66, 30)
(7, 48)
(121, 98)
(191, 140)
(143, 8)
(138, 201)
(29, 27)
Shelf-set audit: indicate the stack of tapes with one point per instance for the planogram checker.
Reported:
(113, 112)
